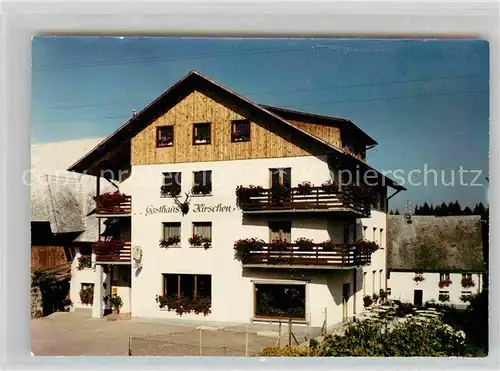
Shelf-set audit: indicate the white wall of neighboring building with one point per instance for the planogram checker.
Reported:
(79, 277)
(232, 287)
(402, 287)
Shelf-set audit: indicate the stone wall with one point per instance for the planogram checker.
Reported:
(36, 303)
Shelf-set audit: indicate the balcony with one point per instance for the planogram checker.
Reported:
(112, 251)
(113, 204)
(254, 200)
(324, 255)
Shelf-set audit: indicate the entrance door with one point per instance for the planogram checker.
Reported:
(417, 297)
(346, 287)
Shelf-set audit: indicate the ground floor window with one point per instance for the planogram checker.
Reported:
(189, 286)
(280, 301)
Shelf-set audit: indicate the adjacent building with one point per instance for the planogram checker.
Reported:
(226, 210)
(435, 258)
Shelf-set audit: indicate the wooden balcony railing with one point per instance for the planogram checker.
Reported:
(112, 251)
(341, 256)
(113, 204)
(318, 199)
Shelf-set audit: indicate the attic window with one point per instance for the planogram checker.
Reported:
(201, 133)
(164, 136)
(240, 131)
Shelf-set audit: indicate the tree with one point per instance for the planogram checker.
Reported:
(417, 210)
(443, 210)
(425, 210)
(431, 210)
(437, 211)
(396, 212)
(391, 212)
(467, 211)
(479, 209)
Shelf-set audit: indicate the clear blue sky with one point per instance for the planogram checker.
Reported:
(425, 102)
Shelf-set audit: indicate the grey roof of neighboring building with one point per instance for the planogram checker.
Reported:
(60, 197)
(434, 243)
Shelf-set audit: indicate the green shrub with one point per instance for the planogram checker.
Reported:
(288, 351)
(367, 301)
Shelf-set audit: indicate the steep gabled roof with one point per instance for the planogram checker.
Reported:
(321, 119)
(429, 243)
(119, 140)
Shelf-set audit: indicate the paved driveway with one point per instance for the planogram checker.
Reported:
(77, 334)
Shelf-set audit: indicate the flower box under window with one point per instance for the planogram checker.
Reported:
(165, 136)
(240, 131)
(201, 133)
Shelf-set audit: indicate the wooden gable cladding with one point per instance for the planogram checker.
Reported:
(267, 139)
(329, 133)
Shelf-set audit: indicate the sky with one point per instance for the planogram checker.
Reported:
(426, 102)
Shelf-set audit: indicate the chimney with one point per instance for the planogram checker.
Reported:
(133, 112)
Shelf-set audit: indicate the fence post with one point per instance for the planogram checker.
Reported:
(310, 331)
(129, 345)
(246, 341)
(290, 332)
(201, 344)
(225, 351)
(326, 320)
(279, 334)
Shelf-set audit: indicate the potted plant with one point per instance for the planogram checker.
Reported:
(304, 188)
(201, 189)
(444, 283)
(84, 261)
(330, 186)
(280, 192)
(466, 297)
(279, 245)
(366, 247)
(304, 244)
(418, 278)
(467, 282)
(116, 303)
(170, 241)
(198, 241)
(444, 297)
(87, 295)
(243, 247)
(248, 194)
(328, 245)
(172, 190)
(165, 141)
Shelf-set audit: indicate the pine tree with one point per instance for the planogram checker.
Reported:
(425, 209)
(396, 212)
(444, 210)
(451, 208)
(431, 210)
(391, 213)
(479, 209)
(417, 210)
(457, 208)
(467, 211)
(437, 211)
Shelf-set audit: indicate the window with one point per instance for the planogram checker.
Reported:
(374, 234)
(373, 283)
(202, 182)
(467, 275)
(381, 274)
(364, 232)
(164, 136)
(86, 286)
(190, 286)
(240, 131)
(388, 291)
(280, 301)
(171, 234)
(381, 242)
(282, 176)
(444, 296)
(201, 133)
(444, 276)
(280, 231)
(202, 234)
(171, 184)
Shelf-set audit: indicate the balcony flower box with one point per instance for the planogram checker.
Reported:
(444, 297)
(110, 200)
(108, 247)
(304, 244)
(172, 190)
(245, 194)
(200, 241)
(444, 283)
(243, 247)
(330, 187)
(467, 282)
(181, 304)
(366, 247)
(304, 188)
(170, 241)
(199, 189)
(328, 245)
(280, 193)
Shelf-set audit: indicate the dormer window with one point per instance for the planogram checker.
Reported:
(164, 136)
(201, 133)
(240, 131)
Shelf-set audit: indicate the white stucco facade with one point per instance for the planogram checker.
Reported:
(232, 287)
(402, 287)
